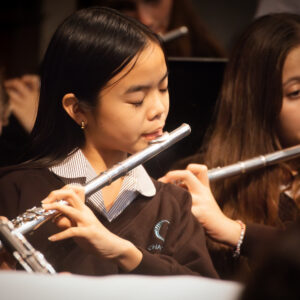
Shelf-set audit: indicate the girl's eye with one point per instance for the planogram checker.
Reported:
(163, 90)
(137, 104)
(294, 94)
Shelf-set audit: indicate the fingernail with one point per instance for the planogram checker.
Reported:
(51, 238)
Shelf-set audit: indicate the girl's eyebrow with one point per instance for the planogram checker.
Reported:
(295, 78)
(137, 88)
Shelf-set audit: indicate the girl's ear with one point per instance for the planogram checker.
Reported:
(71, 105)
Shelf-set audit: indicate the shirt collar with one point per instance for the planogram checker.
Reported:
(76, 167)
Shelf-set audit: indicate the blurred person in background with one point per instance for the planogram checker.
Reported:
(162, 16)
(4, 105)
(22, 94)
(257, 113)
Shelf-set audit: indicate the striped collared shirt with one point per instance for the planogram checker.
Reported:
(76, 169)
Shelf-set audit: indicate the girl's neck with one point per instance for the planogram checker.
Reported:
(101, 159)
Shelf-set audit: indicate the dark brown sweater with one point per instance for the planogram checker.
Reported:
(162, 227)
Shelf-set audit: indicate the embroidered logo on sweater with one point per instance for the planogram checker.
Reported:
(158, 228)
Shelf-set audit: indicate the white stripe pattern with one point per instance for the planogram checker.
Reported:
(76, 169)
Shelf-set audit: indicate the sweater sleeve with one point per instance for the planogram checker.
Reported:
(256, 237)
(184, 251)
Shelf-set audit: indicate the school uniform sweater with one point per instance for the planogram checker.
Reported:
(162, 227)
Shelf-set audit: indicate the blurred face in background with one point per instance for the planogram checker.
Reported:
(290, 111)
(153, 13)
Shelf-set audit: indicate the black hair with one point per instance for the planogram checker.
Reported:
(87, 50)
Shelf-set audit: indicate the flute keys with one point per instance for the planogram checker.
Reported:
(37, 210)
(17, 221)
(28, 216)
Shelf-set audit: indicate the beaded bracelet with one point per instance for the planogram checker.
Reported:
(237, 250)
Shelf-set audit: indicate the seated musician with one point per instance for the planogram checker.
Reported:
(258, 113)
(104, 95)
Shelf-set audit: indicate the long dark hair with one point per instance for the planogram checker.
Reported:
(248, 118)
(88, 49)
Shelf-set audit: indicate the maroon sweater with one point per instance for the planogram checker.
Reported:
(162, 227)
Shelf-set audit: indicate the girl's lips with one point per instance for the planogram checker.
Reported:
(153, 135)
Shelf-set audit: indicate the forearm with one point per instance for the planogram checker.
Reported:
(164, 265)
(256, 236)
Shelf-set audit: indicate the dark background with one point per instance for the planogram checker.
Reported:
(27, 26)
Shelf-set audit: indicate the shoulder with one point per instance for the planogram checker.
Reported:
(24, 176)
(21, 189)
(25, 180)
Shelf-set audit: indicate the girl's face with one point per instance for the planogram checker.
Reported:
(133, 107)
(290, 111)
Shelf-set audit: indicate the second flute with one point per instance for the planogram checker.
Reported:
(253, 164)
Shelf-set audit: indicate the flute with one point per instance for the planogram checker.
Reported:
(11, 232)
(255, 163)
(36, 216)
(174, 34)
(28, 257)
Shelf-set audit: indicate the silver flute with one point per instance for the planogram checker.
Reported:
(174, 34)
(255, 163)
(34, 217)
(27, 256)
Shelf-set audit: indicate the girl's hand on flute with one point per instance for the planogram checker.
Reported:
(80, 223)
(204, 206)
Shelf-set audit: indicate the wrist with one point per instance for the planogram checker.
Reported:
(232, 232)
(129, 257)
(237, 250)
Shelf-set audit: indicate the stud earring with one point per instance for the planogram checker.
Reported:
(82, 125)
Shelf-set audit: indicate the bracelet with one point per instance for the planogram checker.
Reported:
(237, 250)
